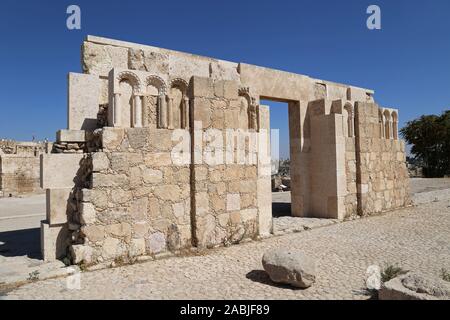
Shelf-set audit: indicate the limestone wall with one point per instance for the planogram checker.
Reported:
(351, 199)
(19, 175)
(168, 150)
(139, 201)
(383, 182)
(19, 167)
(146, 198)
(225, 181)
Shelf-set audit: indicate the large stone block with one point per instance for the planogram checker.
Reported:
(290, 267)
(112, 138)
(83, 101)
(70, 136)
(100, 161)
(203, 87)
(99, 59)
(58, 171)
(58, 203)
(54, 241)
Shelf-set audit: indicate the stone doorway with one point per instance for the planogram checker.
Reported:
(280, 156)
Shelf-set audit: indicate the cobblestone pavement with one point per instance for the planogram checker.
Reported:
(416, 238)
(419, 185)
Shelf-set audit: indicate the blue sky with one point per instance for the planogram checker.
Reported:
(407, 63)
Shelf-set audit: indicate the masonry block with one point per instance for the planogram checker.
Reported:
(70, 135)
(83, 101)
(54, 241)
(57, 205)
(59, 170)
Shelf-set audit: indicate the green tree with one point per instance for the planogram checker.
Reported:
(430, 139)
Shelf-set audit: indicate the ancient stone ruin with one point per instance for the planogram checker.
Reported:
(166, 150)
(20, 167)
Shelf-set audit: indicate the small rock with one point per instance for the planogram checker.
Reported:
(290, 267)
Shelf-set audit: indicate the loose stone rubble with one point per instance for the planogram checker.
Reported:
(166, 150)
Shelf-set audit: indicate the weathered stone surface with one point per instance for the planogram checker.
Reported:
(156, 242)
(58, 205)
(168, 192)
(81, 253)
(94, 233)
(112, 137)
(19, 169)
(145, 175)
(122, 230)
(110, 248)
(104, 180)
(414, 286)
(54, 241)
(290, 267)
(99, 59)
(233, 202)
(100, 161)
(137, 247)
(83, 102)
(69, 164)
(70, 136)
(152, 176)
(87, 213)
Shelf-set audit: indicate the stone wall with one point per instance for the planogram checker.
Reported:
(138, 201)
(19, 167)
(351, 199)
(383, 182)
(143, 201)
(128, 190)
(224, 181)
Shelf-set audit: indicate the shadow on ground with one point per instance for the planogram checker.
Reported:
(21, 243)
(281, 209)
(262, 277)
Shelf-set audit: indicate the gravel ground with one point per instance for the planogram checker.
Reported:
(416, 238)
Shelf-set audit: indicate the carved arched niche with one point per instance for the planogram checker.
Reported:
(128, 91)
(178, 105)
(394, 125)
(387, 124)
(249, 110)
(154, 113)
(381, 123)
(349, 116)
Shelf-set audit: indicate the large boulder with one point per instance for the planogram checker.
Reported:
(290, 267)
(413, 286)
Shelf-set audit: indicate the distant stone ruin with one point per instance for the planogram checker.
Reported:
(166, 150)
(20, 167)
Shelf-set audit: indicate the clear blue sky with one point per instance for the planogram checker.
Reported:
(407, 63)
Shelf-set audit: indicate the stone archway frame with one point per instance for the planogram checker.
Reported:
(162, 112)
(183, 86)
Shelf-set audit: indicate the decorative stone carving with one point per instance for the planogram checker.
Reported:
(133, 78)
(158, 83)
(179, 104)
(253, 108)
